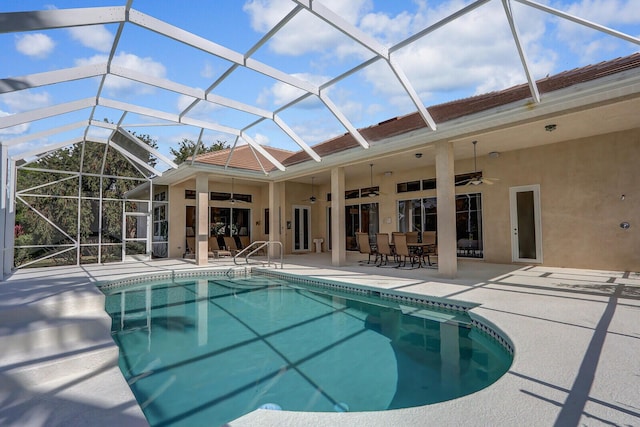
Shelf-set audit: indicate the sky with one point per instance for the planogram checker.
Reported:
(472, 55)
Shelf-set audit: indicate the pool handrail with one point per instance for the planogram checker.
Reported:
(257, 246)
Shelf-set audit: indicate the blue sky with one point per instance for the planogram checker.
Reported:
(475, 54)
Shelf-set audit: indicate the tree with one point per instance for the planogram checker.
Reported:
(84, 197)
(187, 147)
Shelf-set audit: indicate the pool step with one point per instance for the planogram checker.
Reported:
(47, 365)
(58, 335)
(64, 334)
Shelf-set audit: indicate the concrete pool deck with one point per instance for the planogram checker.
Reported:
(576, 335)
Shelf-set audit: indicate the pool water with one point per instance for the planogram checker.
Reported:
(205, 351)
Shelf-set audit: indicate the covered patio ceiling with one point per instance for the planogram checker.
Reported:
(287, 74)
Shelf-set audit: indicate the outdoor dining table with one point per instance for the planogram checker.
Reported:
(420, 249)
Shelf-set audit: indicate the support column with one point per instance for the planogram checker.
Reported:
(446, 198)
(275, 217)
(7, 217)
(202, 219)
(338, 228)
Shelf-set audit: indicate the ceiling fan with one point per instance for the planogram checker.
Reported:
(313, 198)
(373, 192)
(233, 200)
(477, 176)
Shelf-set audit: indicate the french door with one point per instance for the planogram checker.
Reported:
(301, 228)
(526, 224)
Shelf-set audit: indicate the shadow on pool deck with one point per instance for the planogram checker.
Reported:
(575, 332)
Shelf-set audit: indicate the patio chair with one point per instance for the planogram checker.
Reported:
(431, 251)
(402, 252)
(230, 244)
(393, 237)
(365, 247)
(412, 236)
(384, 248)
(190, 249)
(214, 248)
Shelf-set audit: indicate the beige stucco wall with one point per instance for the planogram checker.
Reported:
(178, 203)
(581, 187)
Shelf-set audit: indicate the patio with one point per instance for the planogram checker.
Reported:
(574, 331)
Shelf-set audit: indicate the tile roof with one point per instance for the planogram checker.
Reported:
(440, 113)
(244, 157)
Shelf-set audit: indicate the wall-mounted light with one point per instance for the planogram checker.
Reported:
(418, 155)
(550, 127)
(494, 154)
(388, 173)
(625, 225)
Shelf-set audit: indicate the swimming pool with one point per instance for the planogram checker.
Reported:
(206, 350)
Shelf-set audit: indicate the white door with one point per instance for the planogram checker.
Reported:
(301, 228)
(526, 224)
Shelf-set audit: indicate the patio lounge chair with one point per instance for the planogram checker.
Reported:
(214, 248)
(365, 247)
(230, 244)
(245, 241)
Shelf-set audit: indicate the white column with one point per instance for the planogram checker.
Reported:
(202, 219)
(275, 217)
(338, 230)
(446, 194)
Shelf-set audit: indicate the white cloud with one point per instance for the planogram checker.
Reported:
(207, 71)
(281, 93)
(588, 43)
(13, 130)
(261, 139)
(125, 87)
(472, 55)
(606, 12)
(306, 33)
(93, 36)
(202, 110)
(98, 132)
(36, 45)
(26, 100)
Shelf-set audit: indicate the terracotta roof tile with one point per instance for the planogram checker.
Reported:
(244, 157)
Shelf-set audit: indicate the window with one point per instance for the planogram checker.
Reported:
(429, 184)
(405, 187)
(190, 194)
(351, 194)
(363, 217)
(422, 215)
(227, 196)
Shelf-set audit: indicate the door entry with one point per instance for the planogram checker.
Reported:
(301, 229)
(526, 225)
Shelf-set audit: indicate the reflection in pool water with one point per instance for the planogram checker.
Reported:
(206, 351)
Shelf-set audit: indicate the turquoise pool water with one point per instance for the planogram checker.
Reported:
(205, 351)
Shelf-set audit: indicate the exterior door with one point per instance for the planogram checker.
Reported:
(301, 228)
(526, 224)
